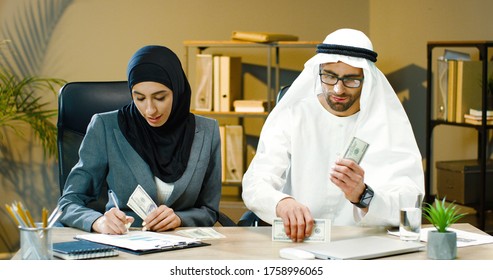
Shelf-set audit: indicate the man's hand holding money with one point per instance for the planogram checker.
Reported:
(347, 174)
(349, 177)
(297, 219)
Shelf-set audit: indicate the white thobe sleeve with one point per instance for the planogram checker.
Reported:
(266, 176)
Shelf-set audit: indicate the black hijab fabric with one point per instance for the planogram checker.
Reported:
(165, 149)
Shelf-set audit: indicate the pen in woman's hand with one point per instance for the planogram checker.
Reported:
(113, 199)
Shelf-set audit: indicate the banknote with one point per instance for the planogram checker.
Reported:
(141, 203)
(320, 232)
(356, 150)
(201, 233)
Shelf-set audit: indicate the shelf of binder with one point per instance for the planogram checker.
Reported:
(271, 47)
(217, 83)
(458, 96)
(458, 88)
(232, 154)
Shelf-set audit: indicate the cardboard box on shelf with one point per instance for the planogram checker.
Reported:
(459, 181)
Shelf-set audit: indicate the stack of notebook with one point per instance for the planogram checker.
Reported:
(81, 250)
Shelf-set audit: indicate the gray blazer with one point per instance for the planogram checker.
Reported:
(105, 154)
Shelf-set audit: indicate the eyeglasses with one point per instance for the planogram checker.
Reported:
(331, 80)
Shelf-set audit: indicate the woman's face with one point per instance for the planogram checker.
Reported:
(154, 102)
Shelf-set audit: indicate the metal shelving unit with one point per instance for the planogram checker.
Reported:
(482, 130)
(272, 63)
(272, 53)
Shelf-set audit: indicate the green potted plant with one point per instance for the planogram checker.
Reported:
(442, 243)
(21, 103)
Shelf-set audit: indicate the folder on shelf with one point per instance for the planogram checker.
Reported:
(440, 112)
(469, 89)
(203, 82)
(230, 73)
(262, 37)
(215, 84)
(222, 133)
(451, 90)
(234, 153)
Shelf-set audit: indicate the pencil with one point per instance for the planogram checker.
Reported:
(30, 219)
(11, 213)
(22, 214)
(44, 218)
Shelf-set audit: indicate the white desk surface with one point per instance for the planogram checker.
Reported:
(255, 243)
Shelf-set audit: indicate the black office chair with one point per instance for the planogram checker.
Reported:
(249, 219)
(281, 93)
(77, 103)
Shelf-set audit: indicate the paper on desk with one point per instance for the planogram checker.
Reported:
(139, 240)
(201, 233)
(464, 238)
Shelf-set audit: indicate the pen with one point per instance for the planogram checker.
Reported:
(113, 199)
(52, 215)
(112, 196)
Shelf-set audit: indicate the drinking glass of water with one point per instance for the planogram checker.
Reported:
(410, 216)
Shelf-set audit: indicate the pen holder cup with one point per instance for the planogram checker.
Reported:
(36, 243)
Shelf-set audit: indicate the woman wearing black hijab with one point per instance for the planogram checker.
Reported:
(154, 142)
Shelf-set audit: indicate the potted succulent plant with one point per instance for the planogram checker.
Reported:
(442, 243)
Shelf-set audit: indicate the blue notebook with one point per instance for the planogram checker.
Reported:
(82, 250)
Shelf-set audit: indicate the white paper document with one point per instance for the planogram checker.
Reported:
(464, 238)
(140, 240)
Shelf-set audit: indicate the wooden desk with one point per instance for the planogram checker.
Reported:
(254, 243)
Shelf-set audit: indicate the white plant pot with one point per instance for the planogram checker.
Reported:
(442, 245)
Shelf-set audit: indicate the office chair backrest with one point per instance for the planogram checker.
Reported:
(77, 103)
(281, 93)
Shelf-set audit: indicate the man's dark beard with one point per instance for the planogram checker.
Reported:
(339, 107)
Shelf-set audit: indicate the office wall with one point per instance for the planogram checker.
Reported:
(400, 31)
(95, 38)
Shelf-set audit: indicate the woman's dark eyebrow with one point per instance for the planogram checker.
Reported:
(154, 93)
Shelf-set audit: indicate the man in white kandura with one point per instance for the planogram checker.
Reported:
(299, 173)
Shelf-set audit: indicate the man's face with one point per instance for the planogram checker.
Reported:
(342, 97)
